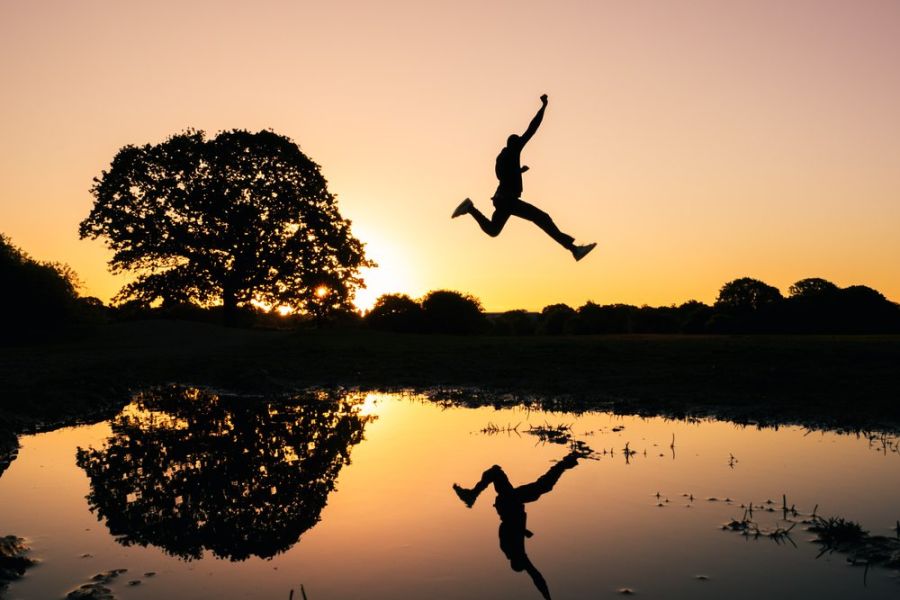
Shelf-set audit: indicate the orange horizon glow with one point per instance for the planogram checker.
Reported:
(695, 143)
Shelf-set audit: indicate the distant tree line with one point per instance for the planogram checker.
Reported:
(40, 300)
(744, 305)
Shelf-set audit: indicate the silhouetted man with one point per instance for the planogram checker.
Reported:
(510, 505)
(507, 201)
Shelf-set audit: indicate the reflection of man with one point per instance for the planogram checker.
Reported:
(510, 505)
(507, 201)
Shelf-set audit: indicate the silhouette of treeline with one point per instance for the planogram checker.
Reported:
(744, 305)
(39, 299)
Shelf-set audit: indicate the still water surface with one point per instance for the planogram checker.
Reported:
(351, 495)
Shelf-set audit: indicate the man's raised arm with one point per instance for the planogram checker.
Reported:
(535, 122)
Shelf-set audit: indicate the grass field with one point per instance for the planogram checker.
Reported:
(838, 381)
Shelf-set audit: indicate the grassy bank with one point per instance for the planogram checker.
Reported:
(839, 380)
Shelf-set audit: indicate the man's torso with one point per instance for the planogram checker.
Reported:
(508, 169)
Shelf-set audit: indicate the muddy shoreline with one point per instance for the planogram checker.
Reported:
(847, 383)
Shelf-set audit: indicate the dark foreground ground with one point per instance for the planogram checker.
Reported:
(830, 381)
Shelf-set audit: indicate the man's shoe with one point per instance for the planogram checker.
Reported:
(464, 207)
(580, 252)
(467, 496)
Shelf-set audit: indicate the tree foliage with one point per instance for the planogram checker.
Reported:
(447, 311)
(514, 322)
(555, 318)
(38, 297)
(396, 312)
(238, 217)
(745, 305)
(812, 286)
(746, 295)
(440, 311)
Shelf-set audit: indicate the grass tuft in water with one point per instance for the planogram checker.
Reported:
(837, 531)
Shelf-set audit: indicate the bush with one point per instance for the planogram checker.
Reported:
(396, 312)
(693, 317)
(452, 312)
(514, 322)
(38, 298)
(611, 318)
(860, 309)
(556, 319)
(648, 319)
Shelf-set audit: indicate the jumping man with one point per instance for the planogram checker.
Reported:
(507, 201)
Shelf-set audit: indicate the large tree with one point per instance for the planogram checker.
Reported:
(229, 219)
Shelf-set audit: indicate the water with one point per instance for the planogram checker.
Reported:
(350, 495)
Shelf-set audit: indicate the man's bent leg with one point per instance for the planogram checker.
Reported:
(494, 225)
(532, 213)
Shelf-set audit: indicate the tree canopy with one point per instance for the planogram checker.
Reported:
(747, 295)
(447, 311)
(812, 286)
(238, 217)
(396, 312)
(38, 297)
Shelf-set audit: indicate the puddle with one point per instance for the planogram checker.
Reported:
(351, 495)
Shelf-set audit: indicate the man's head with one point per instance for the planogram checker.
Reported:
(514, 141)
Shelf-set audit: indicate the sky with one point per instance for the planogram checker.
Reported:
(696, 141)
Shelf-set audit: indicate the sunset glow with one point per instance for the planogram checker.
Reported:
(695, 142)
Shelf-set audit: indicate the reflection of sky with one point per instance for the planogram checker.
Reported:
(393, 527)
(695, 141)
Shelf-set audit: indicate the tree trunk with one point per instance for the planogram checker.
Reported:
(229, 309)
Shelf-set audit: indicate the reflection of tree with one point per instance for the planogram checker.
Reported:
(8, 447)
(188, 470)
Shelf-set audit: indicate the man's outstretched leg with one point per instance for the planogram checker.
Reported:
(534, 490)
(532, 213)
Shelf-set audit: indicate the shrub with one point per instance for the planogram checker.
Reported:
(555, 319)
(514, 322)
(452, 312)
(38, 298)
(396, 312)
